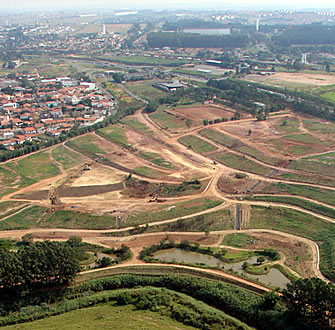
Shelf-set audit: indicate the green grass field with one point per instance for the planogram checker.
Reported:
(317, 179)
(241, 163)
(23, 172)
(87, 145)
(296, 201)
(149, 172)
(257, 154)
(37, 216)
(239, 240)
(155, 159)
(168, 121)
(37, 167)
(219, 137)
(196, 144)
(316, 126)
(303, 138)
(67, 158)
(288, 125)
(114, 134)
(164, 212)
(144, 90)
(105, 316)
(318, 194)
(135, 124)
(320, 164)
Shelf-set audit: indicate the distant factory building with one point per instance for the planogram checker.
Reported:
(169, 86)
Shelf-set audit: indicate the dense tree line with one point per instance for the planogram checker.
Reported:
(274, 98)
(39, 264)
(307, 34)
(193, 40)
(192, 24)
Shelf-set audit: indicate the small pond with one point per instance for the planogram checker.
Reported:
(274, 277)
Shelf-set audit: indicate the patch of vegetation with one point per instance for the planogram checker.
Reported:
(148, 172)
(36, 167)
(320, 164)
(66, 157)
(156, 159)
(257, 154)
(104, 316)
(303, 138)
(296, 201)
(87, 145)
(298, 223)
(136, 125)
(167, 120)
(145, 90)
(288, 125)
(241, 163)
(175, 211)
(37, 216)
(114, 134)
(219, 137)
(239, 240)
(308, 179)
(196, 144)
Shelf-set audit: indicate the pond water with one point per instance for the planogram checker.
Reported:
(274, 277)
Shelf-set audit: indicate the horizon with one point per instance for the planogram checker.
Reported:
(87, 5)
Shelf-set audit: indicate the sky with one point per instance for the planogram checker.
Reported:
(18, 5)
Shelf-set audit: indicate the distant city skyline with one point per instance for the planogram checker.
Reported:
(23, 5)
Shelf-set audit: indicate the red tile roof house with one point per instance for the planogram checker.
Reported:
(29, 130)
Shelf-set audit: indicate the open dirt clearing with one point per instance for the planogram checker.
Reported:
(199, 113)
(297, 79)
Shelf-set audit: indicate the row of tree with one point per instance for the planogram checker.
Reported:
(38, 265)
(193, 40)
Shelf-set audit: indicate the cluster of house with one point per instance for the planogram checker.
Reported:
(31, 107)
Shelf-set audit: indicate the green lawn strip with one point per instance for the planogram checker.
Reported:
(66, 157)
(288, 125)
(169, 212)
(219, 137)
(35, 167)
(318, 165)
(135, 124)
(86, 145)
(326, 196)
(239, 240)
(217, 220)
(145, 90)
(167, 120)
(296, 201)
(196, 144)
(316, 179)
(37, 216)
(300, 224)
(324, 128)
(114, 134)
(257, 154)
(149, 172)
(241, 163)
(155, 159)
(329, 95)
(25, 219)
(70, 219)
(300, 150)
(303, 138)
(8, 208)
